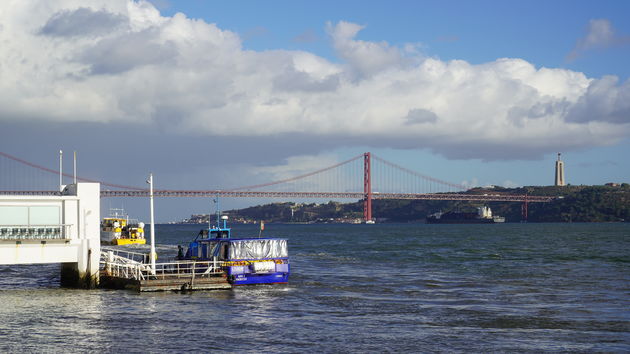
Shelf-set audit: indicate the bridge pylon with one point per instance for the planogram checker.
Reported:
(367, 188)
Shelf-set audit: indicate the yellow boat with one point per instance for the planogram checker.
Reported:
(118, 230)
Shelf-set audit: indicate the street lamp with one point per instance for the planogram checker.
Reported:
(152, 253)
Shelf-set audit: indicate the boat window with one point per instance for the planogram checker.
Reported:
(220, 233)
(221, 251)
(204, 250)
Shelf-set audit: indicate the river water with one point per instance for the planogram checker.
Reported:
(356, 288)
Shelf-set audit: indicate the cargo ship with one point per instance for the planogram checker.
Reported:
(482, 216)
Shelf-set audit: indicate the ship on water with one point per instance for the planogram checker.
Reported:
(118, 229)
(244, 261)
(482, 216)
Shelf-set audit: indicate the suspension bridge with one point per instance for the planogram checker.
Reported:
(364, 177)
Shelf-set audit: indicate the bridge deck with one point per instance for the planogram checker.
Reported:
(346, 195)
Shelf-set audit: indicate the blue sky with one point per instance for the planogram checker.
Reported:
(476, 92)
(541, 32)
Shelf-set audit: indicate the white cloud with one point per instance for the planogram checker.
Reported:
(122, 62)
(600, 34)
(471, 184)
(364, 58)
(510, 184)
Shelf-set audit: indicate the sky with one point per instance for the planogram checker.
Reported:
(212, 95)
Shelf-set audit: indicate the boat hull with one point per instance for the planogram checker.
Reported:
(460, 221)
(242, 275)
(252, 279)
(128, 241)
(110, 235)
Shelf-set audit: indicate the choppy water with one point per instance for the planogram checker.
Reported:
(357, 288)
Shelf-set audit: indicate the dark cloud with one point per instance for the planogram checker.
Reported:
(420, 115)
(124, 153)
(111, 54)
(82, 22)
(604, 101)
(122, 53)
(519, 116)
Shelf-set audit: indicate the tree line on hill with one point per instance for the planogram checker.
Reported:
(573, 204)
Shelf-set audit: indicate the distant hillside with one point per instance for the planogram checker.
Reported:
(575, 204)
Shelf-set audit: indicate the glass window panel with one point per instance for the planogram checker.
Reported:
(13, 215)
(44, 215)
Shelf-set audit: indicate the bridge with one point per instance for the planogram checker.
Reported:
(364, 177)
(43, 222)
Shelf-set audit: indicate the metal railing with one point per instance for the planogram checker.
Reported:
(134, 265)
(34, 232)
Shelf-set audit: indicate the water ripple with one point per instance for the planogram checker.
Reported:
(356, 288)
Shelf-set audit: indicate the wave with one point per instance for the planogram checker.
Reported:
(328, 256)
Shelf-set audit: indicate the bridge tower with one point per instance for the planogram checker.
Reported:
(367, 188)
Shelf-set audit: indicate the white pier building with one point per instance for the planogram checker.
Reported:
(54, 229)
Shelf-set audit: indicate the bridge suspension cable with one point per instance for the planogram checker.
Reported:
(46, 169)
(292, 179)
(451, 186)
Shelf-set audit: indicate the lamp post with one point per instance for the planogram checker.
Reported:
(61, 170)
(75, 168)
(152, 253)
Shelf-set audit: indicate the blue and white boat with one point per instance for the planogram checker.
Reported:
(244, 260)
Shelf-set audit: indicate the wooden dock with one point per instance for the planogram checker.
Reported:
(180, 283)
(125, 270)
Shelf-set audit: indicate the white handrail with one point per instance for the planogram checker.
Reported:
(136, 256)
(123, 267)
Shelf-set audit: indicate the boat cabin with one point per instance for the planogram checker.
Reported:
(248, 249)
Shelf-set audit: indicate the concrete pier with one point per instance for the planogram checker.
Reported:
(54, 229)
